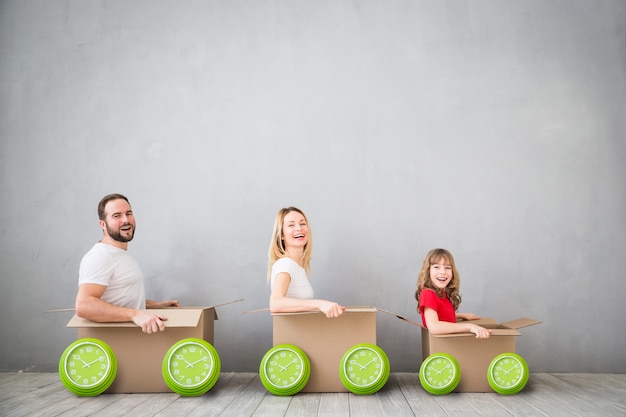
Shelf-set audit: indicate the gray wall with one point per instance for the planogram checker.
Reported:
(495, 129)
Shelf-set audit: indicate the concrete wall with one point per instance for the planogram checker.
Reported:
(495, 129)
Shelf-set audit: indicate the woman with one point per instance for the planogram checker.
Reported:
(289, 266)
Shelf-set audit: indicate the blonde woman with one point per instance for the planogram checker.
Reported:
(289, 266)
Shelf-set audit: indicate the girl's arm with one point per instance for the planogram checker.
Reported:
(435, 326)
(467, 316)
(280, 303)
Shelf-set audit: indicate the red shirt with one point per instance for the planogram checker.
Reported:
(443, 306)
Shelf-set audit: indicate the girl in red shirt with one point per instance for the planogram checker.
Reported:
(438, 297)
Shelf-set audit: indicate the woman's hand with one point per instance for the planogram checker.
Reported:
(331, 309)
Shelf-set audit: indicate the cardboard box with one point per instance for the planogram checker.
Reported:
(474, 355)
(325, 341)
(140, 355)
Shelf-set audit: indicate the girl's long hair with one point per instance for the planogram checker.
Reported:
(423, 279)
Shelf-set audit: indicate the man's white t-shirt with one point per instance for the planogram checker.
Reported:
(117, 270)
(299, 287)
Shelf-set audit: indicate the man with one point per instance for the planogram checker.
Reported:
(110, 283)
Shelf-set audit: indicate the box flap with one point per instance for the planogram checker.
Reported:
(361, 309)
(401, 317)
(483, 321)
(176, 317)
(520, 323)
(494, 333)
(357, 309)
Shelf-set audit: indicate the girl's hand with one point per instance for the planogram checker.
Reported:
(468, 316)
(480, 332)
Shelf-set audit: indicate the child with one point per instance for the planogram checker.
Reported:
(438, 297)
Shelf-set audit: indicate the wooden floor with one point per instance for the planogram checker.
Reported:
(241, 394)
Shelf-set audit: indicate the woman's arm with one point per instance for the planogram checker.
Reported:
(280, 303)
(436, 326)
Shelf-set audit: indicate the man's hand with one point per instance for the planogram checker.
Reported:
(149, 323)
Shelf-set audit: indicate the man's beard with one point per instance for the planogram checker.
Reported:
(116, 235)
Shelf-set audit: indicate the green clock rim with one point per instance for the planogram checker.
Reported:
(375, 385)
(448, 388)
(93, 389)
(297, 385)
(195, 389)
(508, 390)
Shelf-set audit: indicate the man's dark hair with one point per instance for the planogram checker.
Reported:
(102, 204)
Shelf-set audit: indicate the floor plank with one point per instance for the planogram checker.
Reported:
(242, 394)
(334, 404)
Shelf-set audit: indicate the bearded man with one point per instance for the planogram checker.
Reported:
(110, 282)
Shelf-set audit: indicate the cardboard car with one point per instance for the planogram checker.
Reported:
(312, 353)
(482, 365)
(127, 360)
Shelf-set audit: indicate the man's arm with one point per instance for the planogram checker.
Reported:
(89, 305)
(162, 304)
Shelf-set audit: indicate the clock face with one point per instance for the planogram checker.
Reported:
(191, 367)
(507, 373)
(440, 373)
(364, 369)
(87, 367)
(284, 370)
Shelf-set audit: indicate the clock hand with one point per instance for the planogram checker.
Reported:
(289, 364)
(436, 370)
(88, 365)
(505, 371)
(192, 364)
(365, 366)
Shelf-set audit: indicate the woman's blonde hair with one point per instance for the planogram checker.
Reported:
(423, 279)
(277, 244)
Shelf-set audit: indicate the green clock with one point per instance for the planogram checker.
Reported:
(191, 367)
(364, 369)
(87, 367)
(507, 373)
(285, 370)
(440, 374)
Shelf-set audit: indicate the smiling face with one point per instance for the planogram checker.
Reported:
(295, 233)
(119, 222)
(440, 273)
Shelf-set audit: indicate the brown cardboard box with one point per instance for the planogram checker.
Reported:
(140, 355)
(474, 355)
(325, 341)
